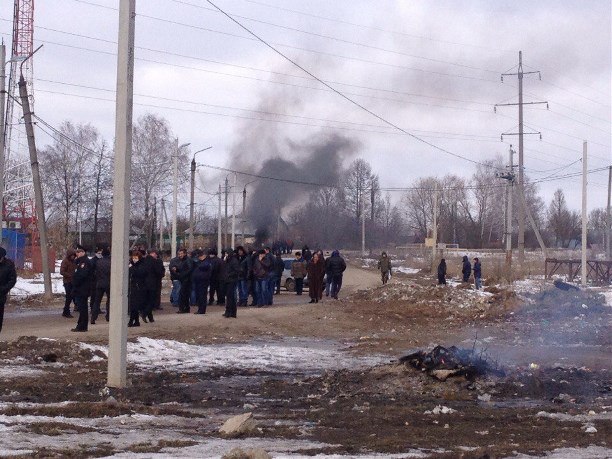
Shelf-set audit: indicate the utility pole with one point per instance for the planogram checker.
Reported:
(161, 227)
(363, 251)
(234, 213)
(509, 176)
(174, 198)
(521, 134)
(225, 220)
(154, 222)
(583, 274)
(191, 203)
(608, 215)
(38, 196)
(244, 213)
(219, 225)
(2, 133)
(117, 335)
(434, 232)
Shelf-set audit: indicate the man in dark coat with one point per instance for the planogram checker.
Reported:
(92, 292)
(184, 269)
(261, 267)
(232, 273)
(215, 264)
(298, 272)
(137, 291)
(8, 278)
(102, 281)
(384, 264)
(201, 280)
(466, 269)
(160, 272)
(442, 272)
(155, 272)
(243, 279)
(279, 267)
(337, 266)
(477, 274)
(67, 271)
(81, 287)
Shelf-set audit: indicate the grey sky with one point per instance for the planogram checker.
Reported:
(430, 67)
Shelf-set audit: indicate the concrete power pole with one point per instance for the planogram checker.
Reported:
(117, 335)
(244, 214)
(363, 251)
(161, 228)
(38, 196)
(434, 231)
(2, 133)
(219, 246)
(583, 274)
(521, 134)
(174, 198)
(609, 216)
(225, 219)
(233, 245)
(191, 203)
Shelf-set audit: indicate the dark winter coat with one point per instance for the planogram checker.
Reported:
(202, 271)
(467, 268)
(173, 264)
(184, 268)
(279, 266)
(8, 277)
(245, 266)
(215, 264)
(232, 269)
(67, 267)
(336, 264)
(103, 272)
(316, 273)
(384, 264)
(298, 269)
(261, 268)
(138, 283)
(442, 269)
(81, 280)
(306, 254)
(477, 269)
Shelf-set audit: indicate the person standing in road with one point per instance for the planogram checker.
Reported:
(215, 265)
(337, 266)
(316, 273)
(8, 279)
(160, 272)
(466, 269)
(137, 288)
(298, 272)
(279, 267)
(261, 266)
(184, 269)
(67, 271)
(102, 281)
(442, 272)
(81, 288)
(176, 283)
(477, 274)
(232, 273)
(201, 280)
(384, 264)
(243, 279)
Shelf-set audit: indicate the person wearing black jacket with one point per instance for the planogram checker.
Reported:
(137, 290)
(466, 269)
(102, 284)
(81, 288)
(221, 279)
(8, 278)
(243, 280)
(183, 270)
(279, 267)
(201, 280)
(160, 272)
(215, 264)
(336, 266)
(442, 272)
(151, 283)
(232, 274)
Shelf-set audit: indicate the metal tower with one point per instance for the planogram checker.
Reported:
(18, 204)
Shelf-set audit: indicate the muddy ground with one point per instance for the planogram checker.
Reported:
(553, 348)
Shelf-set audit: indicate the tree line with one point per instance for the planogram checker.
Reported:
(77, 171)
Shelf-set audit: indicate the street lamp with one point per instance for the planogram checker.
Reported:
(191, 201)
(175, 196)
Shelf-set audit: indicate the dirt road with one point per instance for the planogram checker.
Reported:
(290, 314)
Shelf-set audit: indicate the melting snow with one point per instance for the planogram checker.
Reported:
(34, 286)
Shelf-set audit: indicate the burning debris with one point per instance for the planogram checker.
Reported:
(442, 363)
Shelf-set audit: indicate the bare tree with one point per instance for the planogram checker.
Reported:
(562, 223)
(359, 181)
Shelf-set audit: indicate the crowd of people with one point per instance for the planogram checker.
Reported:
(199, 279)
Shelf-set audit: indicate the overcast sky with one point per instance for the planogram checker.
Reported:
(431, 67)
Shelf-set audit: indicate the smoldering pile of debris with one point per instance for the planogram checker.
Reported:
(565, 299)
(442, 362)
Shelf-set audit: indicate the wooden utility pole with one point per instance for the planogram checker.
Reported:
(219, 242)
(191, 203)
(583, 274)
(225, 219)
(434, 231)
(38, 196)
(243, 214)
(117, 335)
(161, 227)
